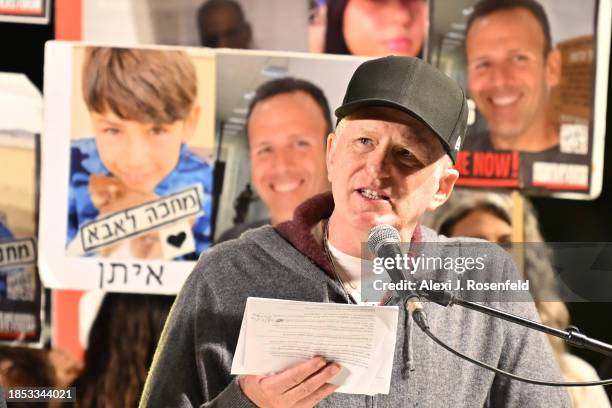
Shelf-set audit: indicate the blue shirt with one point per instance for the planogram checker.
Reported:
(190, 170)
(5, 233)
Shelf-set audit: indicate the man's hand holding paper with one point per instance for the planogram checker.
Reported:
(304, 385)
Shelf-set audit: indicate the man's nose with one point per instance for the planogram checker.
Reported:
(283, 159)
(500, 74)
(377, 165)
(401, 11)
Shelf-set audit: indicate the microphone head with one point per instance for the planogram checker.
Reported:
(380, 235)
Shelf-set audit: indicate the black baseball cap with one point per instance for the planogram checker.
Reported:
(415, 87)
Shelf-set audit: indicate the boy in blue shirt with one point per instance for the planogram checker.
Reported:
(143, 110)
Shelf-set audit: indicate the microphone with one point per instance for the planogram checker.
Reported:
(384, 242)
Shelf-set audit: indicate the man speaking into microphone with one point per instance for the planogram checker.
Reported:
(389, 160)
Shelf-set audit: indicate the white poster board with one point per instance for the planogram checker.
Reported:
(101, 226)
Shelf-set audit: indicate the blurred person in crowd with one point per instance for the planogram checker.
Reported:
(376, 27)
(120, 349)
(488, 216)
(25, 367)
(287, 124)
(222, 25)
(28, 367)
(67, 367)
(512, 67)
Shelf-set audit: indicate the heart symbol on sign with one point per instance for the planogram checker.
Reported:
(176, 240)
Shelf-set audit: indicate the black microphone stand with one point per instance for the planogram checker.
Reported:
(572, 335)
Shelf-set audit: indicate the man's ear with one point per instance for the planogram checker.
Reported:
(445, 188)
(330, 153)
(191, 122)
(553, 67)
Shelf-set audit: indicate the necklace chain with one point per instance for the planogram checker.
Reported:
(333, 263)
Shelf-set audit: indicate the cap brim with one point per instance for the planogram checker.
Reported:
(352, 107)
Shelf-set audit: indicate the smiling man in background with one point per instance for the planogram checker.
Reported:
(288, 122)
(512, 67)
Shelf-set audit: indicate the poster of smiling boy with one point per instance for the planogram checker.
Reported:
(143, 109)
(139, 155)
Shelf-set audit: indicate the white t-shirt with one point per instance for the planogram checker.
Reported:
(348, 268)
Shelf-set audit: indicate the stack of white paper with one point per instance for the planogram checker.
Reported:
(277, 334)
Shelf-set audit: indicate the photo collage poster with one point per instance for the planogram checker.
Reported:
(239, 74)
(25, 12)
(127, 157)
(130, 197)
(21, 296)
(542, 134)
(122, 223)
(535, 122)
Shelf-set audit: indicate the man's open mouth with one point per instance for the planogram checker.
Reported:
(371, 194)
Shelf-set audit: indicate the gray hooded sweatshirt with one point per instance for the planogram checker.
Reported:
(191, 367)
